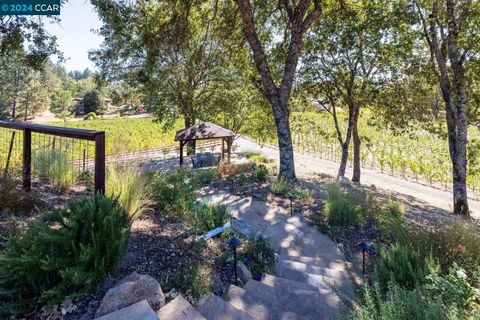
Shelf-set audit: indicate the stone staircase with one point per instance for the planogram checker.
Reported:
(311, 275)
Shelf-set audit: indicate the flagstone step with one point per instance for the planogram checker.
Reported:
(179, 309)
(315, 261)
(258, 309)
(309, 305)
(215, 308)
(137, 311)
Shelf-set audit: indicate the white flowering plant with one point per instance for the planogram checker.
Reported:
(454, 288)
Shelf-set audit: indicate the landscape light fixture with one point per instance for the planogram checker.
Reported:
(234, 243)
(364, 246)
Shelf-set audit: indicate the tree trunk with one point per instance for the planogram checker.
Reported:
(356, 147)
(25, 116)
(457, 140)
(300, 20)
(285, 145)
(451, 75)
(191, 145)
(14, 108)
(343, 160)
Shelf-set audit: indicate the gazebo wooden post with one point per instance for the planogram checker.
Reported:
(181, 152)
(223, 148)
(229, 147)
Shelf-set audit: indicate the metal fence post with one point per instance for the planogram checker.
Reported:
(100, 163)
(27, 159)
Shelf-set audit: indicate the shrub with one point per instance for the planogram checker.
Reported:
(194, 281)
(16, 200)
(394, 208)
(260, 173)
(343, 212)
(130, 188)
(342, 208)
(388, 217)
(174, 193)
(334, 191)
(228, 169)
(205, 177)
(458, 242)
(454, 288)
(205, 217)
(256, 253)
(63, 253)
(399, 304)
(55, 167)
(400, 265)
(302, 195)
(280, 187)
(90, 116)
(260, 158)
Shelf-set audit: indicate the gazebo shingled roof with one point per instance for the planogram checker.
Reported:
(203, 131)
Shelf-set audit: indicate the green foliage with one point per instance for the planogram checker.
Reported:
(174, 193)
(343, 212)
(63, 253)
(256, 157)
(204, 217)
(90, 116)
(302, 195)
(260, 173)
(62, 103)
(388, 216)
(194, 281)
(16, 200)
(55, 167)
(204, 177)
(399, 304)
(129, 134)
(256, 253)
(442, 243)
(280, 187)
(455, 288)
(93, 102)
(130, 188)
(400, 265)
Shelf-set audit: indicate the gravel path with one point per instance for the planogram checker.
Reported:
(411, 191)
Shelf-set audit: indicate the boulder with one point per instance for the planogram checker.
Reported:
(243, 273)
(131, 289)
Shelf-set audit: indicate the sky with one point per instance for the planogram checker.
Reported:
(74, 35)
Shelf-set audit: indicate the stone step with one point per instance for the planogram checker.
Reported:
(294, 287)
(316, 276)
(137, 311)
(215, 308)
(309, 305)
(319, 261)
(258, 309)
(179, 309)
(321, 282)
(335, 273)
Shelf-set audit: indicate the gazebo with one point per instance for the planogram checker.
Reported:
(204, 131)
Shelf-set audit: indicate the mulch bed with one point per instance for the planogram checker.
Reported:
(155, 249)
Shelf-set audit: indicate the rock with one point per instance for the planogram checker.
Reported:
(260, 196)
(345, 182)
(133, 288)
(243, 273)
(218, 285)
(172, 294)
(137, 311)
(244, 228)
